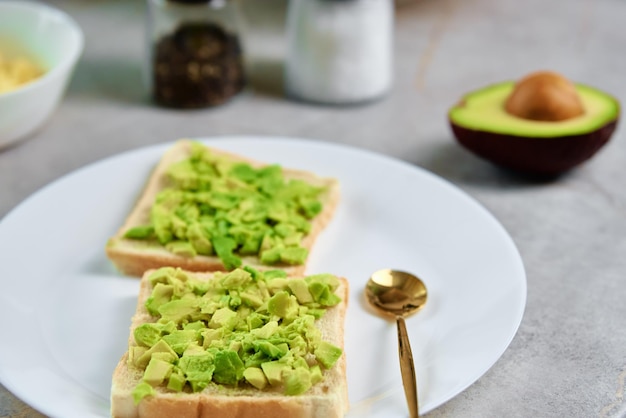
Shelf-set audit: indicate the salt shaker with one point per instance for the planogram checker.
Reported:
(194, 54)
(339, 51)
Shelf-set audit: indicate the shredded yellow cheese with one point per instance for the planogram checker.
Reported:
(15, 72)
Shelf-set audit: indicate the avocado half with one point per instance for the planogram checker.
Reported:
(481, 124)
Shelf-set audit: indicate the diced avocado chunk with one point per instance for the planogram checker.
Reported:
(162, 223)
(300, 363)
(298, 345)
(198, 369)
(140, 232)
(160, 347)
(177, 310)
(323, 294)
(255, 377)
(161, 275)
(297, 381)
(228, 367)
(270, 350)
(224, 247)
(274, 274)
(142, 390)
(251, 244)
(254, 321)
(254, 300)
(209, 335)
(254, 273)
(134, 353)
(274, 372)
(179, 229)
(327, 354)
(300, 289)
(283, 305)
(324, 278)
(181, 248)
(294, 240)
(181, 339)
(182, 173)
(310, 207)
(194, 350)
(147, 334)
(196, 325)
(236, 279)
(293, 255)
(316, 374)
(157, 371)
(176, 382)
(271, 256)
(223, 317)
(200, 239)
(285, 229)
(161, 293)
(317, 313)
(235, 346)
(165, 356)
(266, 331)
(277, 285)
(244, 172)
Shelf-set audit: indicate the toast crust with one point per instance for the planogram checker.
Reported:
(134, 257)
(326, 399)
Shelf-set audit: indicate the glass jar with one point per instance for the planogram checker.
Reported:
(339, 51)
(194, 54)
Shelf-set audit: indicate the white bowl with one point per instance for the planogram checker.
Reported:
(52, 38)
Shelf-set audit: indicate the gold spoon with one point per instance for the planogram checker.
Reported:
(399, 294)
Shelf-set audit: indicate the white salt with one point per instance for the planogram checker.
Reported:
(339, 51)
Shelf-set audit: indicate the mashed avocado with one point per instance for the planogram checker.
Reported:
(240, 328)
(216, 206)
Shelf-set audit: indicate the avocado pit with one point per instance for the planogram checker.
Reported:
(542, 125)
(544, 96)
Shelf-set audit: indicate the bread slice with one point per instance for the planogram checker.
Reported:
(134, 257)
(326, 399)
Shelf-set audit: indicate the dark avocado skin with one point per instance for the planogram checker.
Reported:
(538, 156)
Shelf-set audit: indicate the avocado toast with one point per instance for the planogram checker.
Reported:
(241, 344)
(204, 209)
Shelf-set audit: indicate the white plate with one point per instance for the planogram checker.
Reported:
(65, 312)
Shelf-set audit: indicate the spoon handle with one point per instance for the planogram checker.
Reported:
(407, 368)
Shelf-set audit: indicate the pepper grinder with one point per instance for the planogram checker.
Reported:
(339, 51)
(194, 57)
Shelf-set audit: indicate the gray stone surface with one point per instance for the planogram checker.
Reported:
(569, 356)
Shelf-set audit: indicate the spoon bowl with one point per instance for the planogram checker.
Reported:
(394, 293)
(398, 294)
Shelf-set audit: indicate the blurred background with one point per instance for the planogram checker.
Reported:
(568, 357)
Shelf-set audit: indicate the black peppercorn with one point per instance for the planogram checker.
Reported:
(198, 64)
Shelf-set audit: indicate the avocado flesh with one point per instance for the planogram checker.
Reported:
(483, 110)
(204, 332)
(212, 205)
